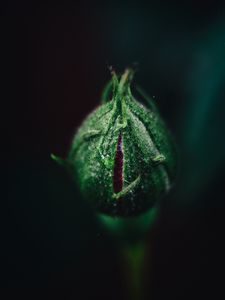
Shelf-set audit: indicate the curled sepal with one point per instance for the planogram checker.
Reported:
(60, 161)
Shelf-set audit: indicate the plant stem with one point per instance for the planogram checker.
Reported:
(130, 236)
(133, 256)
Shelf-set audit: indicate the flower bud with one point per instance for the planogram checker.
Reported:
(122, 156)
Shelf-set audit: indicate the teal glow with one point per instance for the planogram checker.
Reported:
(130, 228)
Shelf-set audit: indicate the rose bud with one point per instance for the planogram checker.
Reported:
(123, 157)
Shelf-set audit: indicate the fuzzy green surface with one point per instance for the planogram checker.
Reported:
(149, 159)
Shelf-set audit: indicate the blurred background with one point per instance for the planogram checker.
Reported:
(57, 58)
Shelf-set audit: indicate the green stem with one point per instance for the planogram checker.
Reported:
(133, 261)
(130, 234)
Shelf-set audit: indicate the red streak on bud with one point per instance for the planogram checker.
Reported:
(118, 167)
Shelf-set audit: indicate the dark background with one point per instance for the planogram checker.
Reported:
(56, 59)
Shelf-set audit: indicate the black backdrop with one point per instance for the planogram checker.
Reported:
(56, 59)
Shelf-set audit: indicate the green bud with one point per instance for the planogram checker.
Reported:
(123, 157)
